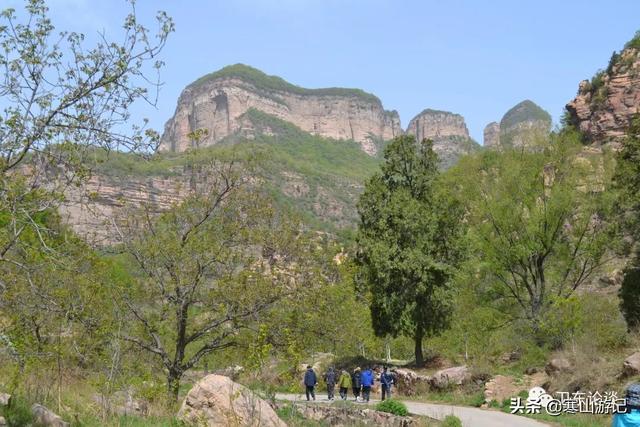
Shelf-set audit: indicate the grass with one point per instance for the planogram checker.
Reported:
(454, 397)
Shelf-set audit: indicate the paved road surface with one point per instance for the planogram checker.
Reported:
(470, 417)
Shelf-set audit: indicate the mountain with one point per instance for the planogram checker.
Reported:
(448, 131)
(519, 127)
(319, 178)
(605, 104)
(218, 102)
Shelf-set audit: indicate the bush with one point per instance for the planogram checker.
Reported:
(451, 421)
(394, 407)
(18, 413)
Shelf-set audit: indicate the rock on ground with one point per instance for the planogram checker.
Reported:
(218, 401)
(458, 375)
(4, 399)
(46, 418)
(631, 365)
(410, 383)
(557, 365)
(3, 422)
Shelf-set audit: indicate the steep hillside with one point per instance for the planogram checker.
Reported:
(448, 131)
(218, 101)
(604, 106)
(318, 177)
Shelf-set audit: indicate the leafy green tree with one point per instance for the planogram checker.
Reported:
(409, 242)
(61, 100)
(539, 220)
(207, 270)
(627, 182)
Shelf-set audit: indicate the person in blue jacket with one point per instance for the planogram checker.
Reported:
(631, 415)
(367, 382)
(310, 381)
(386, 381)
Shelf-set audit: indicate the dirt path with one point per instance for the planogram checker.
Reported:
(470, 417)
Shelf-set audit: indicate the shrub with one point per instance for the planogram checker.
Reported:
(394, 407)
(477, 400)
(451, 421)
(18, 413)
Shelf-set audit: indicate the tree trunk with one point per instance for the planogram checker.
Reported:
(173, 386)
(418, 349)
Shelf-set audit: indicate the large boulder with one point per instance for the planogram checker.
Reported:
(458, 375)
(46, 418)
(218, 401)
(410, 383)
(557, 365)
(631, 365)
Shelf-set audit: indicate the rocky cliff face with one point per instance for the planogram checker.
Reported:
(604, 106)
(217, 102)
(448, 131)
(491, 135)
(519, 127)
(94, 209)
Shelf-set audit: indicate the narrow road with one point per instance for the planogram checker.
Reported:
(470, 417)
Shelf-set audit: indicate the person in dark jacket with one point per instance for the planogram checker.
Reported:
(330, 379)
(386, 381)
(367, 383)
(310, 381)
(356, 383)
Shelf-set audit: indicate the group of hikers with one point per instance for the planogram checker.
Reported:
(360, 383)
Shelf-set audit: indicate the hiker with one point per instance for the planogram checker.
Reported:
(344, 383)
(386, 380)
(356, 382)
(310, 381)
(367, 383)
(631, 415)
(330, 379)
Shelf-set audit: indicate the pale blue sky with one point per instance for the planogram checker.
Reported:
(476, 58)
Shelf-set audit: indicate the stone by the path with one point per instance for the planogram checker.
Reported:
(458, 375)
(410, 383)
(3, 422)
(218, 401)
(46, 418)
(631, 365)
(5, 399)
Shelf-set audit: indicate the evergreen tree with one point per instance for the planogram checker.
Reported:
(408, 243)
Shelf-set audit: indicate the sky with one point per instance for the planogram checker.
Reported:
(476, 58)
